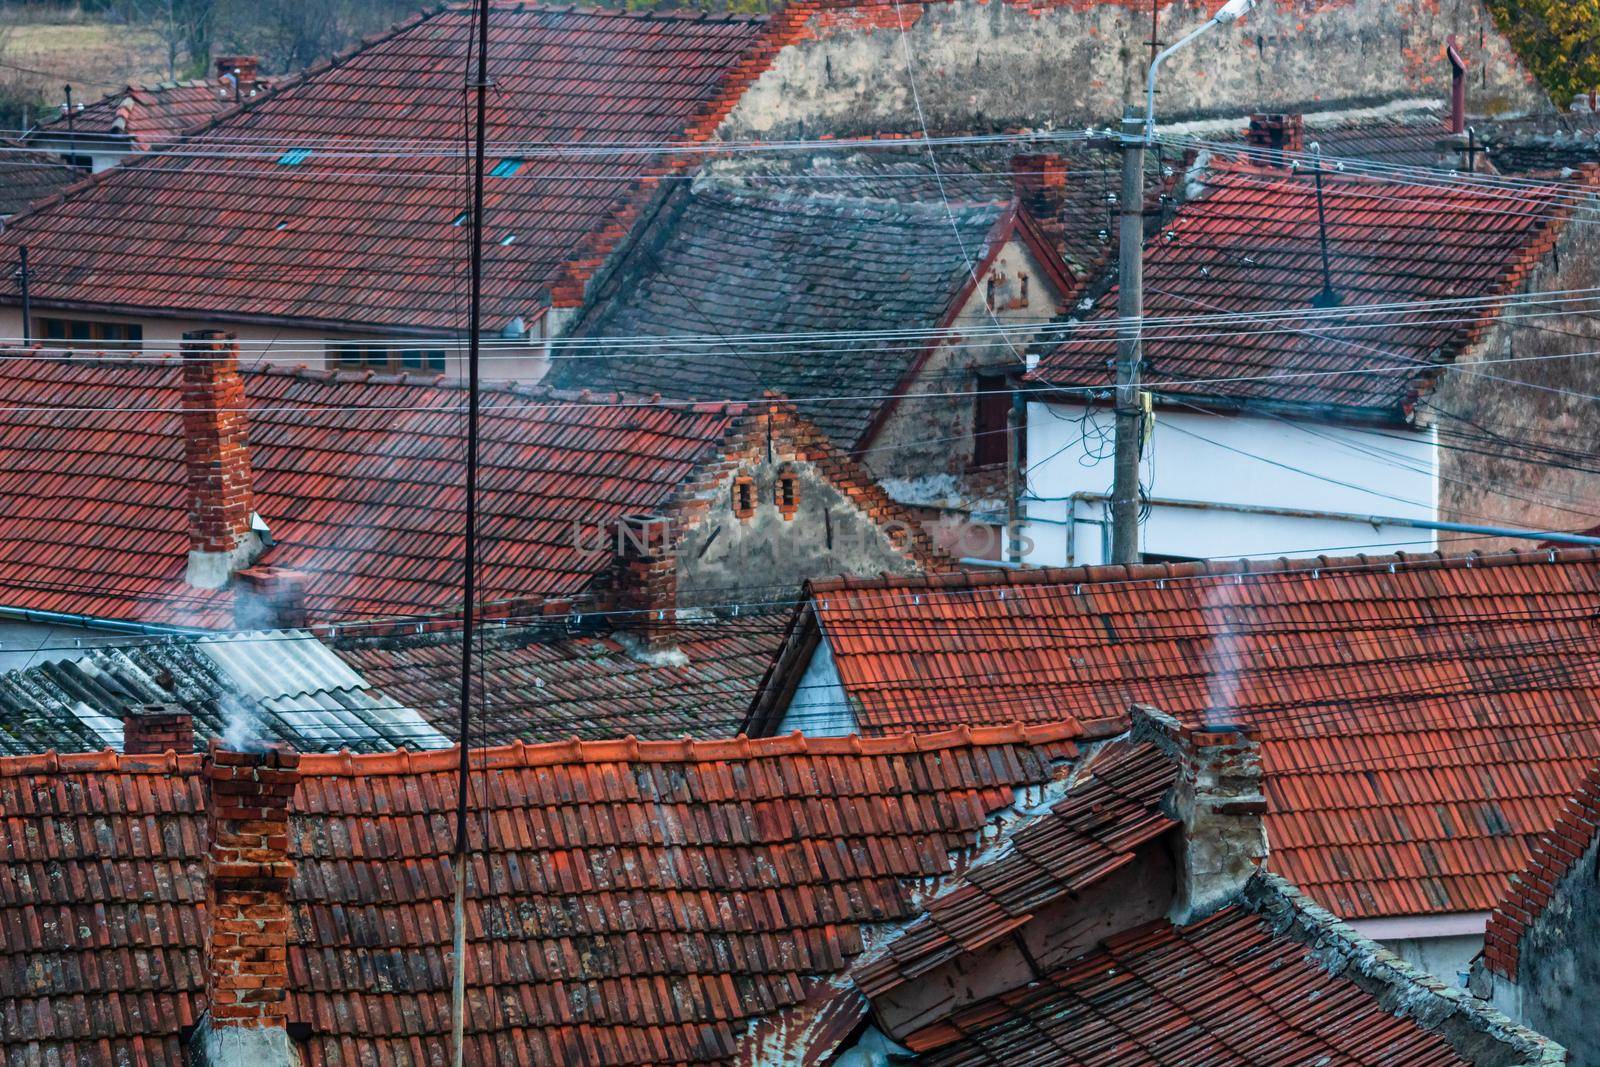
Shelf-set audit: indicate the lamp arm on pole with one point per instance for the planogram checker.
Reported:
(1229, 12)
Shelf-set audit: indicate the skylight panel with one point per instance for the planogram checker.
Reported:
(294, 157)
(507, 167)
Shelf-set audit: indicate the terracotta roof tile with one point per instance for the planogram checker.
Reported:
(364, 502)
(1227, 989)
(1250, 243)
(1555, 853)
(148, 115)
(1086, 835)
(1421, 719)
(632, 903)
(369, 238)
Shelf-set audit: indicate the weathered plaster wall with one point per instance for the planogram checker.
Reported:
(1558, 979)
(724, 557)
(923, 451)
(1446, 958)
(985, 64)
(1518, 428)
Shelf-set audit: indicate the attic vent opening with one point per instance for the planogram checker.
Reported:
(744, 497)
(787, 495)
(294, 157)
(507, 168)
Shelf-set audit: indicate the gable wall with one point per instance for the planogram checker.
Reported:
(923, 450)
(1518, 425)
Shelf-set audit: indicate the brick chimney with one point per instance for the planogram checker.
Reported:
(1272, 135)
(216, 456)
(247, 921)
(150, 729)
(1218, 799)
(1040, 185)
(269, 598)
(647, 581)
(244, 68)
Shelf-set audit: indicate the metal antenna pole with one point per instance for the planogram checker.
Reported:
(458, 989)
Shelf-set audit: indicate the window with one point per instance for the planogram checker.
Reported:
(1022, 298)
(989, 293)
(90, 331)
(744, 497)
(506, 168)
(990, 429)
(786, 494)
(294, 157)
(356, 356)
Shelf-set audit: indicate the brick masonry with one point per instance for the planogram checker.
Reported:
(150, 729)
(247, 886)
(215, 442)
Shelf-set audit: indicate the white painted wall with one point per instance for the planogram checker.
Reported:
(295, 345)
(819, 707)
(1298, 464)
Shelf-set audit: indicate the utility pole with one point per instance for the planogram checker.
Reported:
(458, 985)
(1138, 131)
(1130, 315)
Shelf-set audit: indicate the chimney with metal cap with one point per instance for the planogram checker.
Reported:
(223, 537)
(1458, 86)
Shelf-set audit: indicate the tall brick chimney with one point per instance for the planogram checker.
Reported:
(247, 921)
(150, 729)
(1273, 135)
(216, 456)
(647, 581)
(1040, 184)
(1218, 799)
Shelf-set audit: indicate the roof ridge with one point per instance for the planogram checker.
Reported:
(555, 753)
(1151, 572)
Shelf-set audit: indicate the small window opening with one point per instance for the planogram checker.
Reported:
(508, 239)
(506, 168)
(989, 294)
(294, 157)
(744, 497)
(787, 495)
(461, 219)
(1022, 282)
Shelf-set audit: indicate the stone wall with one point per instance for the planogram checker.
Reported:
(993, 64)
(1518, 425)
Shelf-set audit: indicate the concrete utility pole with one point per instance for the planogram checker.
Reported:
(1137, 134)
(1130, 312)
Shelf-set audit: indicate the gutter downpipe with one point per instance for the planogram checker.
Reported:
(1347, 516)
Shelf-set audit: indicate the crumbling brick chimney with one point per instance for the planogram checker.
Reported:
(247, 920)
(1273, 136)
(1039, 182)
(646, 581)
(1218, 799)
(150, 729)
(245, 68)
(217, 461)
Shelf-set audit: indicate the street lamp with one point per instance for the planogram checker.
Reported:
(1136, 135)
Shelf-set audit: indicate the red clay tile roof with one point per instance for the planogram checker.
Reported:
(1085, 836)
(26, 177)
(148, 115)
(1228, 989)
(365, 502)
(542, 688)
(1250, 244)
(1421, 719)
(1532, 888)
(649, 899)
(360, 231)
